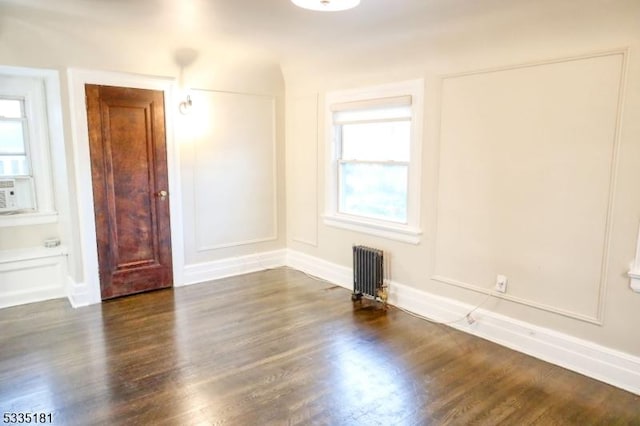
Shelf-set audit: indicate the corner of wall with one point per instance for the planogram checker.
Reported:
(78, 293)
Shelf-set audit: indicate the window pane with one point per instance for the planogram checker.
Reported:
(11, 137)
(383, 141)
(374, 190)
(14, 165)
(10, 108)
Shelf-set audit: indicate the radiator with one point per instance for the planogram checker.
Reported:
(368, 273)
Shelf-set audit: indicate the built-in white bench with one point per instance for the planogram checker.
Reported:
(32, 275)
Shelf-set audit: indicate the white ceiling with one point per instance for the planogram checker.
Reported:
(284, 33)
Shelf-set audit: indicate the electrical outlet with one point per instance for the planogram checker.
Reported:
(501, 284)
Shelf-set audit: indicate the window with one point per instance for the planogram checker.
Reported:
(374, 172)
(13, 138)
(25, 139)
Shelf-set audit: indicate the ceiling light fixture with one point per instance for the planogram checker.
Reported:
(326, 5)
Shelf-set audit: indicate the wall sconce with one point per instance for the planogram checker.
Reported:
(185, 106)
(184, 57)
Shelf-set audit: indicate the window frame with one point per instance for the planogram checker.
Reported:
(410, 231)
(35, 88)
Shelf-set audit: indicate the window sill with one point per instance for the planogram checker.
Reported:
(22, 219)
(402, 233)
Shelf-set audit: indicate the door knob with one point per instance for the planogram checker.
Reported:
(162, 194)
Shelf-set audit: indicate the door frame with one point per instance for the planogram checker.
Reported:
(87, 291)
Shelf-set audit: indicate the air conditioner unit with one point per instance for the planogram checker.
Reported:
(8, 199)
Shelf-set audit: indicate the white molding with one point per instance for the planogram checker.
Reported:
(82, 162)
(24, 219)
(18, 255)
(588, 55)
(208, 271)
(78, 293)
(519, 300)
(201, 249)
(37, 294)
(634, 273)
(605, 364)
(614, 161)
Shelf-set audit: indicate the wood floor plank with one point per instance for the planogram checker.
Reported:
(277, 348)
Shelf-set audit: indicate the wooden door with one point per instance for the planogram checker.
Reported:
(130, 189)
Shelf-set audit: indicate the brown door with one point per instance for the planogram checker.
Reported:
(130, 191)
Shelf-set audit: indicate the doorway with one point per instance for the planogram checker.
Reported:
(127, 143)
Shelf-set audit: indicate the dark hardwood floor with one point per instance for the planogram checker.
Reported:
(277, 347)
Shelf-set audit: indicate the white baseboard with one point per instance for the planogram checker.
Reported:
(317, 267)
(78, 293)
(599, 362)
(38, 294)
(201, 272)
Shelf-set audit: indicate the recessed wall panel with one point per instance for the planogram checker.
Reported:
(525, 178)
(235, 185)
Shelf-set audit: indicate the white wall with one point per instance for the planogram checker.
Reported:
(302, 170)
(529, 165)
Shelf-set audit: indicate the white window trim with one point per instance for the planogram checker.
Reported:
(42, 101)
(409, 232)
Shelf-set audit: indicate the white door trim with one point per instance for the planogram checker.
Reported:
(88, 291)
